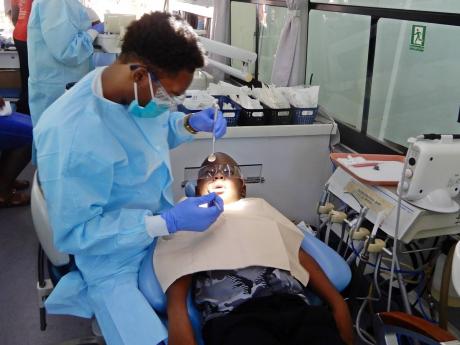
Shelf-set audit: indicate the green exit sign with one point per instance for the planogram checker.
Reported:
(418, 37)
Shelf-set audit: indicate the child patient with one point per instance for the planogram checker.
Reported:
(255, 304)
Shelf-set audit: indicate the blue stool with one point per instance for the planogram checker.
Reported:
(15, 131)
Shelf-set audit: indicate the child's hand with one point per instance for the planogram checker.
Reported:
(343, 321)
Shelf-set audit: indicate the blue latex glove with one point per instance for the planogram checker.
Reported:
(99, 27)
(189, 216)
(203, 121)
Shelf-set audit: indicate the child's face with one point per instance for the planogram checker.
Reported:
(222, 177)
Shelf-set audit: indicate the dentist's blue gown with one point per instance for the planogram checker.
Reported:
(59, 50)
(102, 171)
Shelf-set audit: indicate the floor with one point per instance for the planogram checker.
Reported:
(19, 313)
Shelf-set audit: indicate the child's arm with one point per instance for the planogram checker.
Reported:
(324, 289)
(180, 331)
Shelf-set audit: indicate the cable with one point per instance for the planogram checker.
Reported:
(342, 236)
(376, 272)
(328, 231)
(398, 217)
(422, 310)
(358, 328)
(401, 264)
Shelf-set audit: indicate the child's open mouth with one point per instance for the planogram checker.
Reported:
(217, 187)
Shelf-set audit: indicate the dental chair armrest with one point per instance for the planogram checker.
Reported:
(416, 324)
(333, 265)
(149, 284)
(150, 287)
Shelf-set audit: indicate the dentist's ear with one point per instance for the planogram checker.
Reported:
(139, 74)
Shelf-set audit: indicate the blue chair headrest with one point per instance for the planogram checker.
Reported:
(190, 189)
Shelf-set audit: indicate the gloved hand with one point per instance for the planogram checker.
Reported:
(203, 121)
(189, 216)
(99, 27)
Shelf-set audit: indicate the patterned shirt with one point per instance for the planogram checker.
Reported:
(219, 292)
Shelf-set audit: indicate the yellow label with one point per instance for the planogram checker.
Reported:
(369, 198)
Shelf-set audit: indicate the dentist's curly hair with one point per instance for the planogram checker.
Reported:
(164, 41)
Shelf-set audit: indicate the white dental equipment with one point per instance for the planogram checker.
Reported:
(116, 23)
(226, 50)
(115, 27)
(427, 205)
(431, 178)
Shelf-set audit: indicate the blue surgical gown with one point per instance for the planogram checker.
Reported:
(59, 50)
(102, 171)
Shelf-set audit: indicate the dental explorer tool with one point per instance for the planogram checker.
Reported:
(212, 156)
(214, 202)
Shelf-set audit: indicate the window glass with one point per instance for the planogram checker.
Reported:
(137, 7)
(415, 88)
(449, 6)
(202, 8)
(338, 45)
(243, 29)
(271, 23)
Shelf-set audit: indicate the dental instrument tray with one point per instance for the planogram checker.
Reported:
(231, 115)
(253, 117)
(371, 169)
(303, 116)
(278, 116)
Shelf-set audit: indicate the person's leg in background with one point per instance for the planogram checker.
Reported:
(23, 103)
(12, 162)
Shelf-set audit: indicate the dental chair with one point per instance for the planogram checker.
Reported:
(59, 264)
(394, 328)
(333, 265)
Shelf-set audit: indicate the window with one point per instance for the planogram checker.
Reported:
(257, 27)
(338, 46)
(202, 8)
(415, 86)
(243, 29)
(137, 7)
(271, 23)
(386, 74)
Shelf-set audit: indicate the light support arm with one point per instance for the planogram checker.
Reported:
(228, 51)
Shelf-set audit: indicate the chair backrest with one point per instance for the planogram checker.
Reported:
(42, 226)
